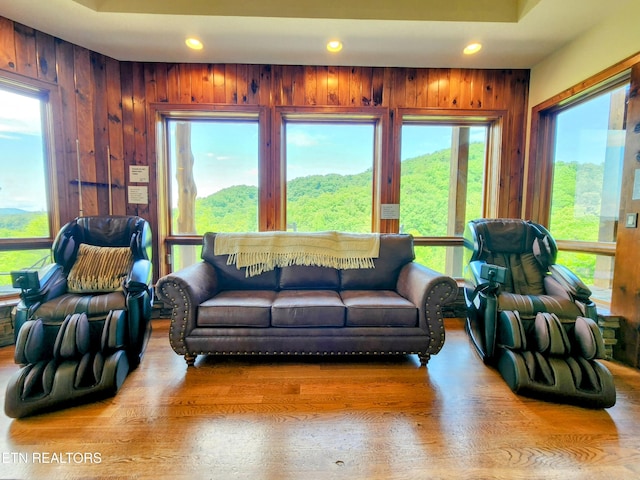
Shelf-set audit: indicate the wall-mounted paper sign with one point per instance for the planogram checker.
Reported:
(138, 173)
(138, 194)
(390, 211)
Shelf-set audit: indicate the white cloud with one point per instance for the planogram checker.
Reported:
(303, 139)
(19, 114)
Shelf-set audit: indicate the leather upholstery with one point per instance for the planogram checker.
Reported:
(394, 308)
(538, 327)
(81, 364)
(75, 346)
(547, 360)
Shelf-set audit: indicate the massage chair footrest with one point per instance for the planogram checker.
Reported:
(72, 368)
(554, 359)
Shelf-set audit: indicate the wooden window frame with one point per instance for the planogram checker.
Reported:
(537, 192)
(160, 113)
(379, 117)
(493, 120)
(49, 95)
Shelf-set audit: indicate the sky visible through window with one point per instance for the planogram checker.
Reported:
(315, 148)
(22, 178)
(227, 155)
(583, 133)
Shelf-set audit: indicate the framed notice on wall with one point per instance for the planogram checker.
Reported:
(390, 211)
(138, 194)
(138, 173)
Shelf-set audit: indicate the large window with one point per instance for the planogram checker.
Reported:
(587, 174)
(329, 172)
(441, 185)
(213, 167)
(25, 230)
(212, 164)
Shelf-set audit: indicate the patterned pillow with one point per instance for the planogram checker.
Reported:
(99, 269)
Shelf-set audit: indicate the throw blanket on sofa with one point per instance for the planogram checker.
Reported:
(263, 251)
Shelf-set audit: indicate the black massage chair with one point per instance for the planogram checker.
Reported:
(533, 319)
(83, 321)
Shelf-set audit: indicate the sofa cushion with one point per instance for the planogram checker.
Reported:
(301, 277)
(307, 308)
(232, 278)
(378, 308)
(395, 252)
(237, 308)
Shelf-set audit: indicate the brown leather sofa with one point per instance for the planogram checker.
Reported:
(394, 308)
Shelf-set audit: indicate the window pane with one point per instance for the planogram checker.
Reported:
(441, 259)
(17, 260)
(23, 189)
(596, 271)
(442, 178)
(588, 156)
(213, 165)
(184, 255)
(329, 176)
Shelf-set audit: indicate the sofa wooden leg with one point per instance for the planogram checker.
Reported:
(190, 359)
(424, 359)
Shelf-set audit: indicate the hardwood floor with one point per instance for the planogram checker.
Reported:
(324, 418)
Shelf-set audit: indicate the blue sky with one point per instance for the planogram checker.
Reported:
(583, 135)
(22, 182)
(227, 155)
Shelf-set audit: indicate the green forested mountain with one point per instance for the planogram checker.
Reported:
(343, 202)
(16, 223)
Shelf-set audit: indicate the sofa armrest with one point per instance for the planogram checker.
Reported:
(429, 290)
(184, 291)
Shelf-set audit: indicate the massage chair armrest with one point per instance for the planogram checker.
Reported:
(570, 282)
(483, 280)
(472, 272)
(483, 272)
(139, 277)
(40, 285)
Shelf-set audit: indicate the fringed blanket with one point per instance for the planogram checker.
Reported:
(261, 252)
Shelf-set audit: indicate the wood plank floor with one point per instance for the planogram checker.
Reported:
(324, 418)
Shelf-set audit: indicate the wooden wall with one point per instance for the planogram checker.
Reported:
(625, 294)
(105, 103)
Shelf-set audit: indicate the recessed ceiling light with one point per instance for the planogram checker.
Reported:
(334, 46)
(194, 43)
(472, 48)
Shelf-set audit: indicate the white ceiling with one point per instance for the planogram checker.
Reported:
(412, 33)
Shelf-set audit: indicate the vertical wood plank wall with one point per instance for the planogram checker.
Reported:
(105, 104)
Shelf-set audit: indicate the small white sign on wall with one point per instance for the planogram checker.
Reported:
(138, 173)
(390, 211)
(138, 194)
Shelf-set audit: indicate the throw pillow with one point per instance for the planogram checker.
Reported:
(99, 269)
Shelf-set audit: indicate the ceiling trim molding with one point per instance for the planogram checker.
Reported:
(500, 11)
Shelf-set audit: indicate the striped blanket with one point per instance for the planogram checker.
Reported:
(263, 251)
